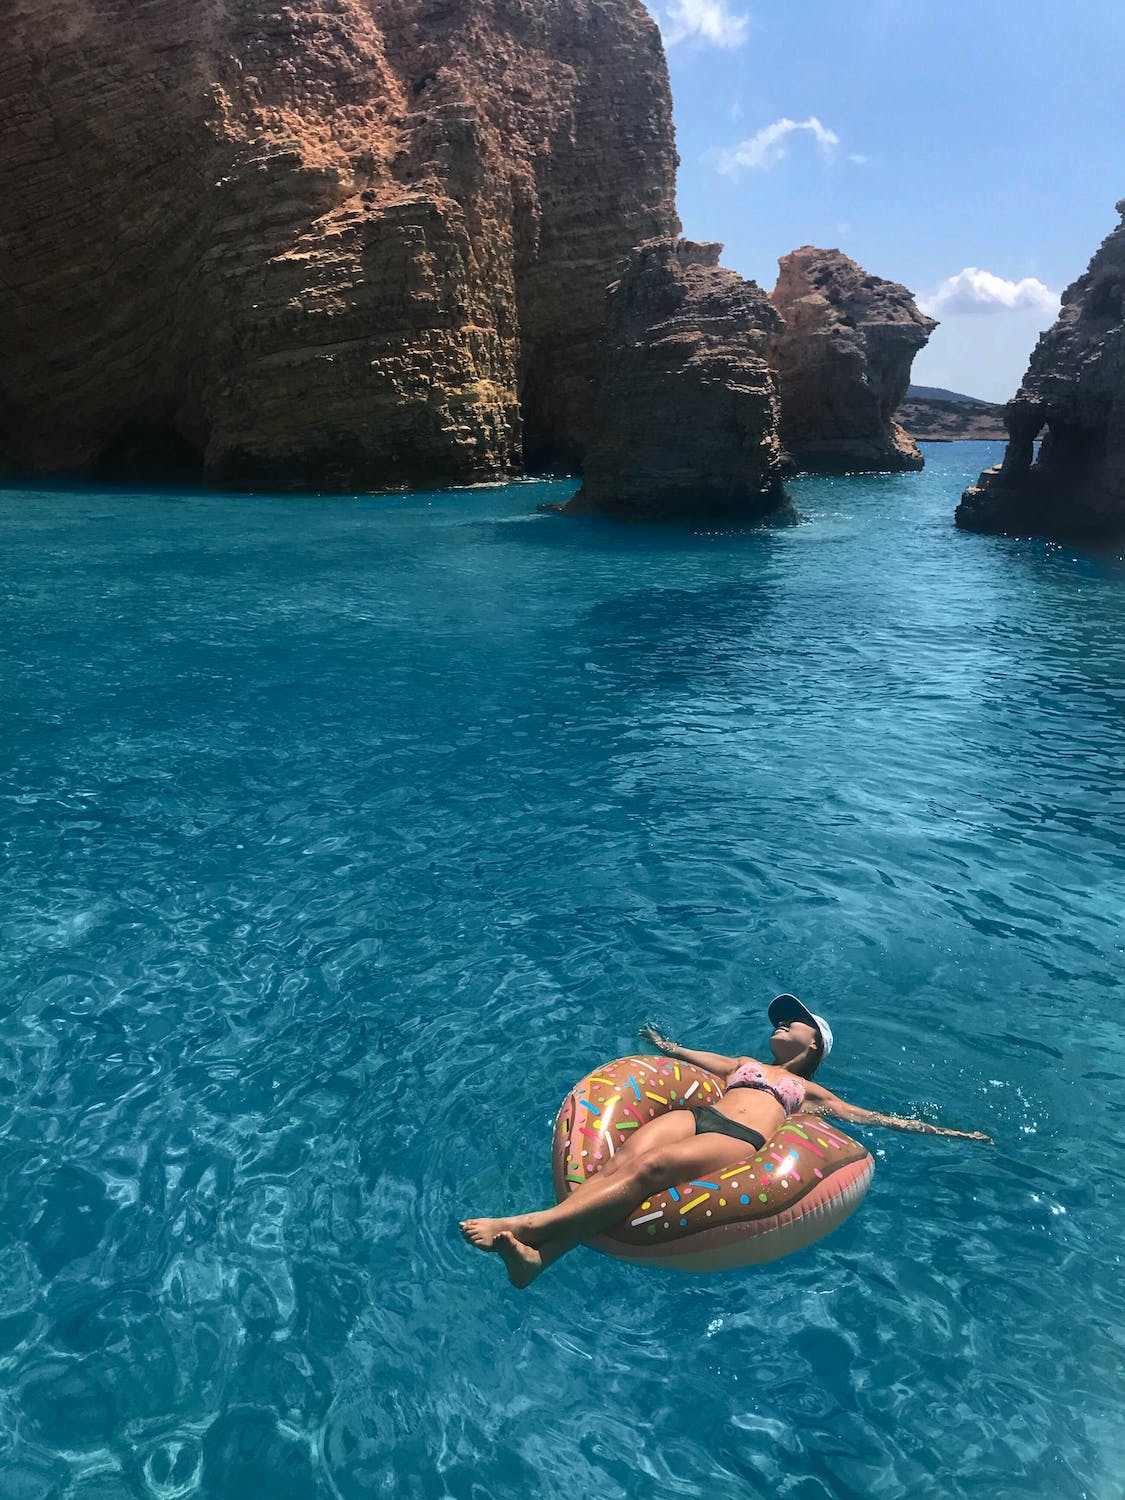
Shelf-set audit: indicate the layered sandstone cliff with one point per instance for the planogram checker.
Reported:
(686, 417)
(1075, 390)
(318, 243)
(843, 363)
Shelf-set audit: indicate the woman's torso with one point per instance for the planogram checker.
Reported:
(752, 1100)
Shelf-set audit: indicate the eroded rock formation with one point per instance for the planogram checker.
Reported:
(318, 243)
(686, 416)
(843, 363)
(1075, 388)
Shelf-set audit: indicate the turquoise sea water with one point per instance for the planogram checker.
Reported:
(340, 836)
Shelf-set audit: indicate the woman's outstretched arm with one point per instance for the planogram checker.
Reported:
(820, 1101)
(714, 1062)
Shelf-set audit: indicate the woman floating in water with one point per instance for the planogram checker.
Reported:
(690, 1144)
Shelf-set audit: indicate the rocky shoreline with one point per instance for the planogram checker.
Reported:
(318, 247)
(349, 248)
(1073, 394)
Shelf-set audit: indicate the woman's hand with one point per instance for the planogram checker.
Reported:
(710, 1062)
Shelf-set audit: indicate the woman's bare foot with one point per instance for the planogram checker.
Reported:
(523, 1263)
(482, 1232)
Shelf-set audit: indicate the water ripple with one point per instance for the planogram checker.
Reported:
(340, 837)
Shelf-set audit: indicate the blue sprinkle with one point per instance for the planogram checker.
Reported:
(675, 1197)
(683, 1223)
(633, 1085)
(769, 1167)
(744, 1199)
(705, 1184)
(588, 1105)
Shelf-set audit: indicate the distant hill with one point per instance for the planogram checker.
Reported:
(939, 393)
(934, 415)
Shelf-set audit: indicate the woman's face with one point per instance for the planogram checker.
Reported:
(790, 1039)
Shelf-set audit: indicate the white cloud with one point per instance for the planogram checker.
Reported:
(767, 147)
(983, 357)
(975, 291)
(706, 20)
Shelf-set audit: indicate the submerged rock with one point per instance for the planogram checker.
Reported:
(843, 363)
(686, 414)
(1075, 387)
(324, 244)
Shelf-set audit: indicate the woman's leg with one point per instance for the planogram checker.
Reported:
(614, 1181)
(659, 1158)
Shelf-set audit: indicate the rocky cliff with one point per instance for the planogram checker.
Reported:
(686, 416)
(318, 243)
(1075, 389)
(843, 363)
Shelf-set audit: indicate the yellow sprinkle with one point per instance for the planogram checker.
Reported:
(607, 1081)
(733, 1172)
(676, 1070)
(657, 1097)
(722, 1203)
(648, 1204)
(695, 1202)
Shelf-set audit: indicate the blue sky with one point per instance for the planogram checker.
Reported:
(974, 151)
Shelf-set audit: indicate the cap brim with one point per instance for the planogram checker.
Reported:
(789, 1008)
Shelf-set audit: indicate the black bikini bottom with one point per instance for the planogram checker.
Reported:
(708, 1120)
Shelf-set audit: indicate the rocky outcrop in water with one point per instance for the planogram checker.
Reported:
(1075, 389)
(318, 243)
(686, 416)
(843, 363)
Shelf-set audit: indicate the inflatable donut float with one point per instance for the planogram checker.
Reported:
(804, 1182)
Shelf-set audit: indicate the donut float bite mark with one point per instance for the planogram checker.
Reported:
(806, 1180)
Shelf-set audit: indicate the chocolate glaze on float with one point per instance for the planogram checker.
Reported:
(807, 1178)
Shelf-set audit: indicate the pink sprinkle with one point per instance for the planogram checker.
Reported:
(818, 1172)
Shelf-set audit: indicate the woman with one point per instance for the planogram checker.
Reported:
(690, 1143)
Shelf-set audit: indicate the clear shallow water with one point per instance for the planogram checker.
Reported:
(341, 836)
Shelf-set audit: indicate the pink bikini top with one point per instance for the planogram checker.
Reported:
(788, 1091)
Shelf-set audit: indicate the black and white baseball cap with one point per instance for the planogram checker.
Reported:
(789, 1008)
